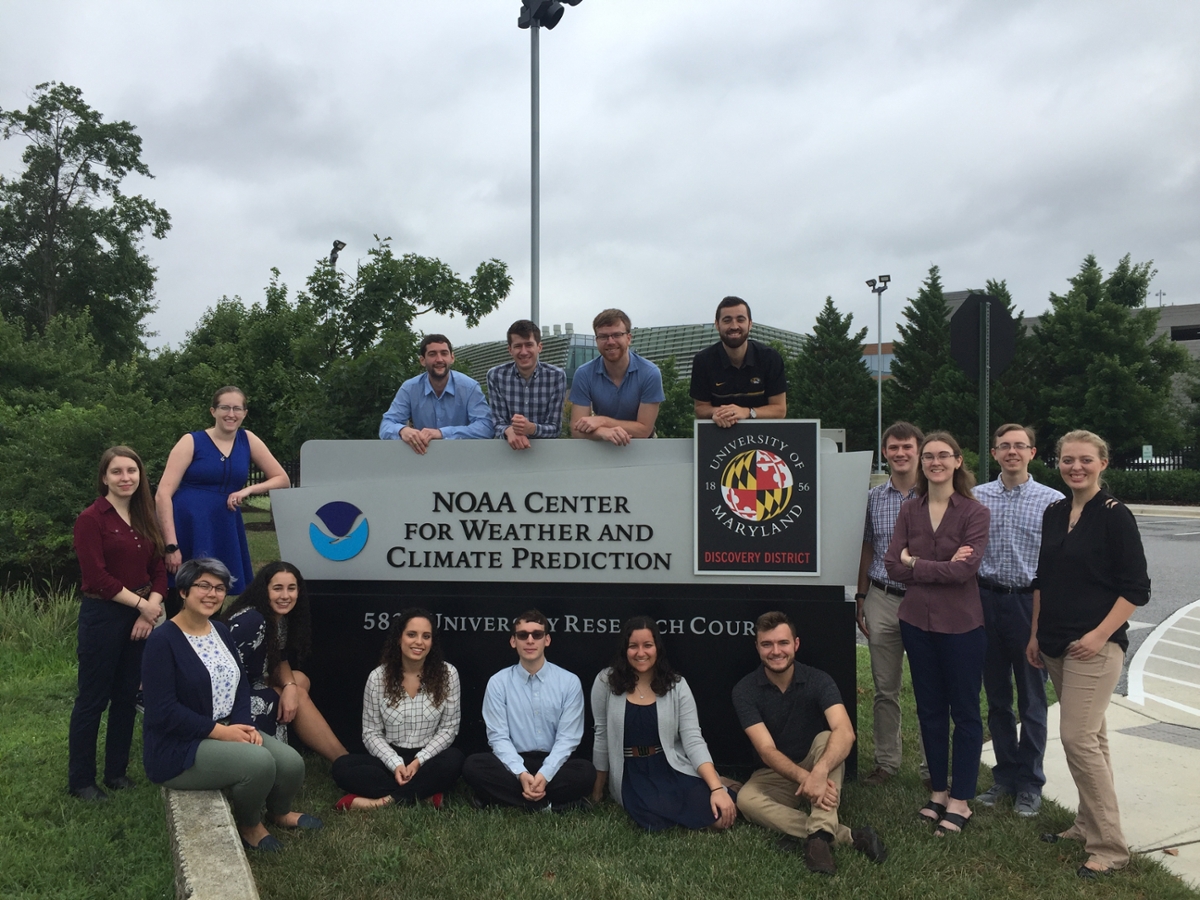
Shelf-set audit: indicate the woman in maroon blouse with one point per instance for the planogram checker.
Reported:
(939, 541)
(120, 551)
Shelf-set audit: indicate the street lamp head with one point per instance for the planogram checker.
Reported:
(545, 13)
(884, 279)
(871, 283)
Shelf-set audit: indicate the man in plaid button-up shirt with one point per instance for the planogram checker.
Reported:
(526, 395)
(1017, 503)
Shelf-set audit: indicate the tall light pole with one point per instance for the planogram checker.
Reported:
(535, 15)
(878, 292)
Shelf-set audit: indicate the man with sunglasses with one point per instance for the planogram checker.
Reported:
(1017, 503)
(615, 396)
(534, 716)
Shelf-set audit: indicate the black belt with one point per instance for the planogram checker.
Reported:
(632, 752)
(889, 589)
(996, 588)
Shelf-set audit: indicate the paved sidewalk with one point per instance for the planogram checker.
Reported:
(1154, 741)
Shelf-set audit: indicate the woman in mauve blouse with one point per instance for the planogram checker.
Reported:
(939, 541)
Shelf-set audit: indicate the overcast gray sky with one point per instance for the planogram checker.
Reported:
(782, 151)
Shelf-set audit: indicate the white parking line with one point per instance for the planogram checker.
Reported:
(1173, 704)
(1172, 680)
(1176, 643)
(1137, 668)
(1174, 660)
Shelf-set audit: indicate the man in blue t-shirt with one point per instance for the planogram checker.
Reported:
(615, 397)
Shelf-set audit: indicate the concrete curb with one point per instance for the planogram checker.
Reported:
(1165, 512)
(206, 848)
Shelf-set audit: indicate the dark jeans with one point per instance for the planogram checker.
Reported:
(947, 670)
(110, 670)
(1018, 760)
(495, 784)
(367, 776)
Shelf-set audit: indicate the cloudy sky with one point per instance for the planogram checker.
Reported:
(782, 151)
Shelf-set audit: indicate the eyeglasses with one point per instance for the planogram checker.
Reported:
(610, 336)
(1017, 446)
(531, 635)
(226, 409)
(207, 588)
(944, 456)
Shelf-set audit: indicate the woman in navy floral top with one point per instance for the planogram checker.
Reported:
(271, 626)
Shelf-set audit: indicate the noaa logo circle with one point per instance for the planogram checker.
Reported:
(756, 485)
(340, 538)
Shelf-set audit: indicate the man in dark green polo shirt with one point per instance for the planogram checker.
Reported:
(737, 378)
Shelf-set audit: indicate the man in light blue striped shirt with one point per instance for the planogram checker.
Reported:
(1005, 576)
(534, 717)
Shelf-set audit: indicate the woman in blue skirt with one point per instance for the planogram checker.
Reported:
(648, 748)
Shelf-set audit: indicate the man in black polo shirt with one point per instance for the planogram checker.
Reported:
(795, 718)
(737, 378)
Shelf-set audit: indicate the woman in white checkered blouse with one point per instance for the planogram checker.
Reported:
(411, 712)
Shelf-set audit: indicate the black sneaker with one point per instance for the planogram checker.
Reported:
(120, 783)
(868, 842)
(91, 794)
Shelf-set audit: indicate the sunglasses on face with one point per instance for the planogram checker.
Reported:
(531, 635)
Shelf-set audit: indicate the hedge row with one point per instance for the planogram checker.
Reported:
(1180, 486)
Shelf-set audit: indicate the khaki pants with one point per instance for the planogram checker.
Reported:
(768, 799)
(881, 610)
(1084, 689)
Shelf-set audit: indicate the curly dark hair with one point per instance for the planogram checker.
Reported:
(623, 679)
(435, 677)
(257, 595)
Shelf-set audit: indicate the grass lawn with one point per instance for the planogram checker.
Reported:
(53, 846)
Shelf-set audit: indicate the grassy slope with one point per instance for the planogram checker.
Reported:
(52, 846)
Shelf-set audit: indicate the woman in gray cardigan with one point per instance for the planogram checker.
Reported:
(648, 747)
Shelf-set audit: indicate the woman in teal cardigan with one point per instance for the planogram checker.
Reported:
(648, 747)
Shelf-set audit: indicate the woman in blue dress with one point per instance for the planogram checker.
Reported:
(200, 495)
(271, 627)
(648, 747)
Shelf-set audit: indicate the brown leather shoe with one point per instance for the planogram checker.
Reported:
(818, 856)
(879, 776)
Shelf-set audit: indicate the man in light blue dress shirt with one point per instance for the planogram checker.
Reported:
(437, 404)
(1017, 503)
(615, 397)
(534, 717)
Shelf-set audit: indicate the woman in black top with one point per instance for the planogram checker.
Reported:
(1091, 576)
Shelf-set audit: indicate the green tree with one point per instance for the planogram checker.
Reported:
(327, 365)
(677, 413)
(927, 388)
(70, 239)
(1100, 366)
(61, 406)
(827, 379)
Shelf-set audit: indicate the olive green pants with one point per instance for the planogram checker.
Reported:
(249, 774)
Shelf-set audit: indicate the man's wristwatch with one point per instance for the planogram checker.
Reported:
(170, 548)
(860, 596)
(753, 414)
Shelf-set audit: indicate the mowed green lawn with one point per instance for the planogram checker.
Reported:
(53, 846)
